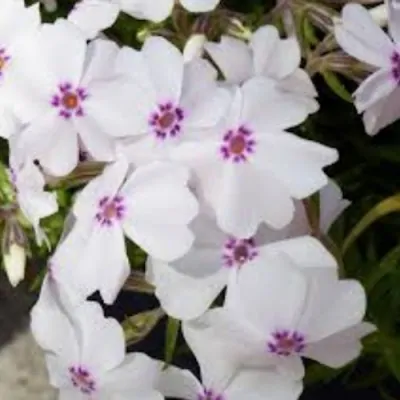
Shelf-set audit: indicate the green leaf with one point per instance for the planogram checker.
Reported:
(138, 326)
(171, 339)
(385, 207)
(336, 85)
(392, 356)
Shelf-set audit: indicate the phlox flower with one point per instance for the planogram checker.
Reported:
(178, 101)
(286, 304)
(85, 352)
(265, 55)
(249, 170)
(361, 37)
(152, 206)
(65, 92)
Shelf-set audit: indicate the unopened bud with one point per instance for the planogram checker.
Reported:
(14, 263)
(194, 47)
(50, 5)
(380, 14)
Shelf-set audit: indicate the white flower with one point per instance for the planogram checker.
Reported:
(64, 92)
(17, 22)
(187, 287)
(35, 203)
(178, 101)
(152, 206)
(266, 55)
(250, 170)
(286, 304)
(249, 384)
(85, 352)
(360, 36)
(93, 16)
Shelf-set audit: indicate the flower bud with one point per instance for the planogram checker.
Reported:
(14, 263)
(194, 47)
(50, 5)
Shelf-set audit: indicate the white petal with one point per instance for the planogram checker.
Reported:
(50, 325)
(266, 108)
(233, 57)
(332, 205)
(184, 296)
(269, 293)
(101, 339)
(377, 86)
(393, 11)
(198, 6)
(93, 16)
(382, 114)
(341, 348)
(332, 306)
(165, 63)
(178, 383)
(143, 9)
(257, 384)
(295, 162)
(361, 37)
(137, 373)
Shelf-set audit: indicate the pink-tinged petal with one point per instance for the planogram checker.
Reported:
(233, 57)
(341, 348)
(165, 64)
(61, 154)
(359, 35)
(198, 6)
(332, 306)
(266, 108)
(106, 184)
(93, 16)
(376, 87)
(259, 384)
(269, 293)
(382, 114)
(394, 19)
(137, 373)
(332, 205)
(50, 326)
(101, 340)
(295, 162)
(187, 296)
(143, 9)
(99, 61)
(179, 383)
(246, 198)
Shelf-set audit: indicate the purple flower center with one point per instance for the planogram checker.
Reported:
(82, 380)
(69, 100)
(395, 59)
(110, 210)
(238, 145)
(209, 394)
(166, 121)
(4, 58)
(286, 343)
(237, 252)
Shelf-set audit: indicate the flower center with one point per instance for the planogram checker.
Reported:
(4, 58)
(209, 394)
(286, 343)
(238, 145)
(395, 59)
(82, 380)
(110, 210)
(69, 101)
(237, 252)
(166, 121)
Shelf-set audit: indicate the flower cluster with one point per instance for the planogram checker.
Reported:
(202, 169)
